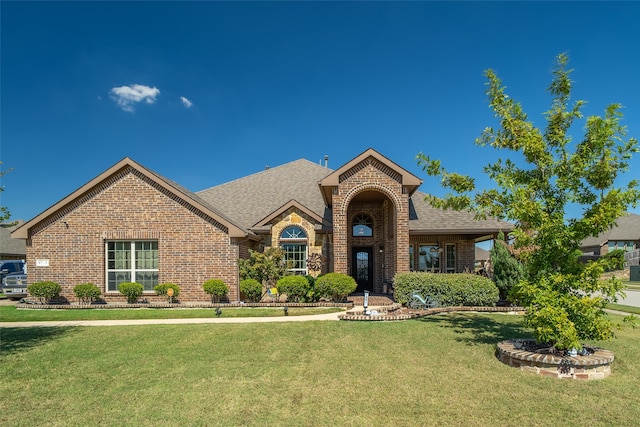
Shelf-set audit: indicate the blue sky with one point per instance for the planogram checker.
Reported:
(207, 92)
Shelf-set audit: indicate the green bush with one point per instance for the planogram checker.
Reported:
(44, 291)
(335, 286)
(613, 260)
(216, 288)
(251, 289)
(162, 289)
(296, 288)
(507, 270)
(450, 290)
(87, 293)
(131, 291)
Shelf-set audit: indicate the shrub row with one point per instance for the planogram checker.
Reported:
(335, 286)
(450, 290)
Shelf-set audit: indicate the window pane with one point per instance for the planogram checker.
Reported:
(146, 255)
(114, 278)
(362, 267)
(362, 224)
(293, 232)
(451, 258)
(296, 257)
(411, 266)
(148, 279)
(429, 258)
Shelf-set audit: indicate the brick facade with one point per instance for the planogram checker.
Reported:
(197, 243)
(191, 247)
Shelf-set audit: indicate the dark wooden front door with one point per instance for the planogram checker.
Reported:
(362, 267)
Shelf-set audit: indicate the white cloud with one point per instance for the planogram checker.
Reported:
(127, 96)
(187, 103)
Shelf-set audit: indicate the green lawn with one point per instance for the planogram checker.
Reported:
(12, 314)
(438, 371)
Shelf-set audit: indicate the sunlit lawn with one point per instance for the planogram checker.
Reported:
(438, 371)
(12, 314)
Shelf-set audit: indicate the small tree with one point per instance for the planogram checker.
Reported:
(564, 298)
(266, 267)
(507, 270)
(216, 288)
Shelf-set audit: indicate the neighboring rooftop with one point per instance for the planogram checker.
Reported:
(627, 228)
(11, 248)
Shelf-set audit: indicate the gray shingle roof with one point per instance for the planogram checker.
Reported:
(429, 220)
(8, 245)
(627, 229)
(249, 199)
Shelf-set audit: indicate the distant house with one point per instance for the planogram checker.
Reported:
(624, 235)
(11, 248)
(366, 219)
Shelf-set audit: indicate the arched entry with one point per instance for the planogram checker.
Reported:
(371, 239)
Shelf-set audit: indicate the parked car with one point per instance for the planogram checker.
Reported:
(14, 285)
(8, 266)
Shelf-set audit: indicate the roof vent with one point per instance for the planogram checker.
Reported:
(326, 161)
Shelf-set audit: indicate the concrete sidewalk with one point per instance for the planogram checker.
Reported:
(52, 324)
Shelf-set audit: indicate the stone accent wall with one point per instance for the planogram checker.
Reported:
(295, 217)
(192, 247)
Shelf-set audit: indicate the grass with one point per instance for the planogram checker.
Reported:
(12, 314)
(439, 370)
(625, 308)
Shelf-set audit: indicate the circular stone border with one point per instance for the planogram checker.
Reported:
(591, 367)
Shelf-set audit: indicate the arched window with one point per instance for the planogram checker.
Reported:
(362, 224)
(293, 241)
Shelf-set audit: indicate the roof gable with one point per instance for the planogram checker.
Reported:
(404, 177)
(253, 198)
(171, 187)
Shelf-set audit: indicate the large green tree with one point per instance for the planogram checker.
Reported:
(547, 176)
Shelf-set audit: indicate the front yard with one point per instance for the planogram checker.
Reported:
(439, 370)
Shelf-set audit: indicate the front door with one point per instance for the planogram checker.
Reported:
(362, 268)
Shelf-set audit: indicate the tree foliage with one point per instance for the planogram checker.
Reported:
(548, 174)
(266, 267)
(507, 270)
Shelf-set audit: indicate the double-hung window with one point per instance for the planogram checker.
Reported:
(132, 261)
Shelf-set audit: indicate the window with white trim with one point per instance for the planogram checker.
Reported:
(131, 261)
(293, 241)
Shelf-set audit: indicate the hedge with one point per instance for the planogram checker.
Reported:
(450, 290)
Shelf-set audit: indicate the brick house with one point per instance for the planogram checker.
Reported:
(366, 218)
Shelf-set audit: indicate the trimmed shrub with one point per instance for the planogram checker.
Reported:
(450, 290)
(216, 288)
(251, 289)
(131, 291)
(335, 286)
(44, 291)
(87, 293)
(162, 289)
(296, 287)
(507, 270)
